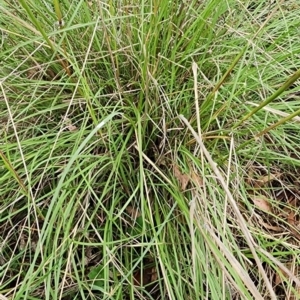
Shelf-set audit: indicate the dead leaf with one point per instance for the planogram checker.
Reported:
(38, 72)
(69, 125)
(293, 217)
(33, 73)
(133, 212)
(270, 227)
(198, 180)
(263, 180)
(262, 203)
(183, 179)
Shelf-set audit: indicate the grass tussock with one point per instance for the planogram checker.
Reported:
(149, 150)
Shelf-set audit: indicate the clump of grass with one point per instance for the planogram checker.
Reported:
(149, 150)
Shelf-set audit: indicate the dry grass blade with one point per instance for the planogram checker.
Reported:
(154, 166)
(194, 68)
(276, 111)
(239, 216)
(283, 88)
(281, 266)
(235, 264)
